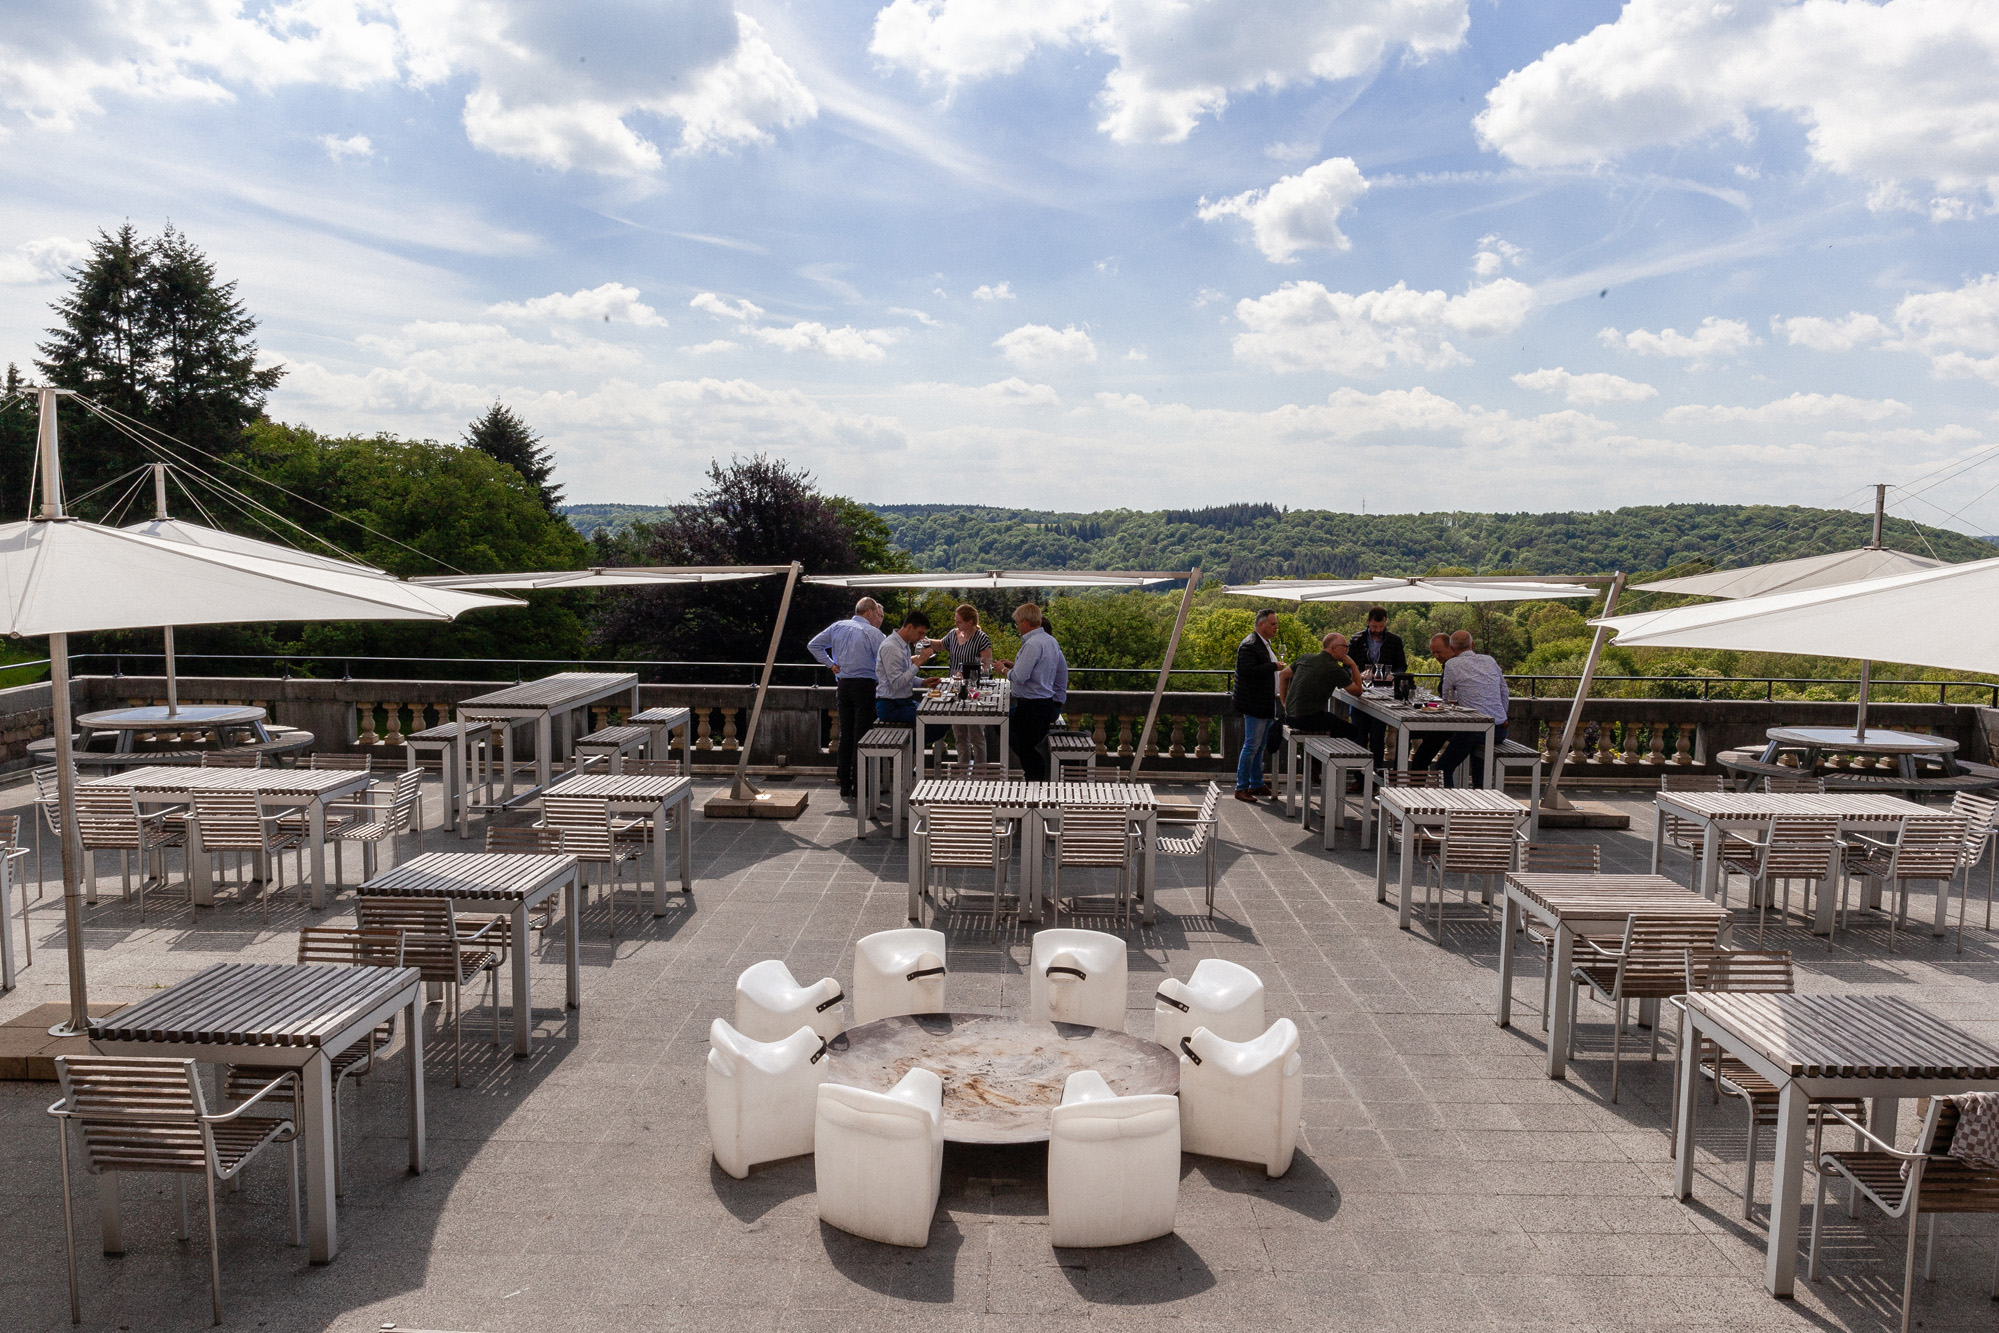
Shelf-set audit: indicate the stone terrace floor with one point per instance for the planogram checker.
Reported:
(1441, 1181)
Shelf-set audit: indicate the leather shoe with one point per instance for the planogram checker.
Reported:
(1245, 794)
(1260, 791)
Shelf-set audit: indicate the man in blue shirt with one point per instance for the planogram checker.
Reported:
(1038, 686)
(848, 647)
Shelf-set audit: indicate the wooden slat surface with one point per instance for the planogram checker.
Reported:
(620, 786)
(670, 717)
(615, 736)
(1437, 800)
(1850, 1036)
(1762, 805)
(257, 1004)
(501, 875)
(1395, 710)
(1598, 896)
(992, 703)
(269, 781)
(565, 688)
(1136, 795)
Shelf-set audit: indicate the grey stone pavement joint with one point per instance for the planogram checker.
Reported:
(1441, 1182)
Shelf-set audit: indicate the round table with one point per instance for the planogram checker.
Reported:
(1001, 1075)
(192, 717)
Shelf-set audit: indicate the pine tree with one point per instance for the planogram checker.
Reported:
(147, 331)
(17, 445)
(504, 436)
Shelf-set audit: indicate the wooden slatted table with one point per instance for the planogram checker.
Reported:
(290, 788)
(1823, 1046)
(1577, 905)
(664, 722)
(1409, 808)
(547, 704)
(1717, 812)
(279, 1016)
(654, 798)
(1406, 717)
(990, 707)
(1028, 802)
(513, 883)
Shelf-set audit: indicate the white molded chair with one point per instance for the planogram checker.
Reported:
(1242, 1099)
(1077, 976)
(878, 1158)
(771, 1005)
(898, 972)
(1113, 1164)
(762, 1096)
(1225, 998)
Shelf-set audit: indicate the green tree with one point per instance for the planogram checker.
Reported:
(18, 412)
(502, 435)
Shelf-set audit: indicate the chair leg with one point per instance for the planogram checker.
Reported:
(1909, 1269)
(1749, 1162)
(1818, 1208)
(457, 1040)
(68, 1208)
(1930, 1252)
(214, 1253)
(1616, 1045)
(298, 1235)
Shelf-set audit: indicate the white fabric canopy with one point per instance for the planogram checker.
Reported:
(603, 576)
(66, 576)
(1410, 590)
(1812, 571)
(998, 578)
(214, 539)
(1936, 617)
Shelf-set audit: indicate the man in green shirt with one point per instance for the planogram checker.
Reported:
(1308, 686)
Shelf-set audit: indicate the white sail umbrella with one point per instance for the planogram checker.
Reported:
(1442, 589)
(1801, 575)
(60, 576)
(600, 577)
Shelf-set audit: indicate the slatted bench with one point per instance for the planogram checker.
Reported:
(1512, 755)
(442, 742)
(1336, 757)
(879, 746)
(612, 744)
(663, 722)
(1072, 748)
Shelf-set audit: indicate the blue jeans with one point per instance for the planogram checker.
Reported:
(896, 712)
(1249, 765)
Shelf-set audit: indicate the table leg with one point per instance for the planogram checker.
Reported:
(687, 843)
(315, 818)
(544, 751)
(199, 868)
(659, 859)
(7, 922)
(1381, 855)
(573, 933)
(1787, 1177)
(1943, 905)
(1564, 993)
(867, 784)
(315, 1101)
(1006, 739)
(518, 992)
(461, 800)
(413, 1054)
(1685, 1101)
(1402, 747)
(916, 842)
(1509, 922)
(1491, 759)
(1409, 827)
(898, 791)
(1150, 822)
(1882, 1115)
(1710, 859)
(1658, 834)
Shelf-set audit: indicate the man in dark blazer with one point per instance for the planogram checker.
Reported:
(1379, 648)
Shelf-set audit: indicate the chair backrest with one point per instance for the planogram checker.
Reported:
(538, 839)
(1411, 777)
(1692, 782)
(137, 1114)
(585, 822)
(404, 795)
(1661, 951)
(10, 830)
(1478, 842)
(1760, 971)
(359, 762)
(651, 768)
(1793, 782)
(370, 946)
(1979, 813)
(961, 835)
(1930, 847)
(232, 759)
(1800, 847)
(429, 928)
(231, 821)
(1561, 858)
(1096, 835)
(107, 818)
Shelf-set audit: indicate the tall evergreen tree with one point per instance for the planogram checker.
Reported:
(147, 331)
(17, 445)
(502, 435)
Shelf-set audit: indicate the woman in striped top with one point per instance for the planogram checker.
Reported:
(969, 646)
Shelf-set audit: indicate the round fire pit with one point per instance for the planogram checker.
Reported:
(1001, 1075)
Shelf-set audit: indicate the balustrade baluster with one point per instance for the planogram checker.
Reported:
(729, 728)
(704, 738)
(367, 735)
(1684, 748)
(395, 736)
(1177, 742)
(1097, 731)
(1630, 755)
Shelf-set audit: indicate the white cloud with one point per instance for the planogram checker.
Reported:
(1715, 338)
(609, 303)
(1299, 212)
(339, 149)
(713, 347)
(1208, 296)
(988, 292)
(743, 312)
(1887, 93)
(1136, 354)
(45, 260)
(562, 86)
(1797, 409)
(916, 315)
(1037, 345)
(1594, 386)
(1010, 392)
(1494, 254)
(846, 343)
(1958, 330)
(1177, 60)
(1302, 326)
(1831, 335)
(456, 350)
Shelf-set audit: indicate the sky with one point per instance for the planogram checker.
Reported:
(1385, 254)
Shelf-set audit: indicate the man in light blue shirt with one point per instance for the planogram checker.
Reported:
(1477, 682)
(848, 648)
(895, 670)
(1038, 686)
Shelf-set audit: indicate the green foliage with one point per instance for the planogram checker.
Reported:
(1552, 623)
(504, 437)
(1115, 631)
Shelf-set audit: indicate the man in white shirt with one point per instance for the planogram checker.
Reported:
(1477, 682)
(895, 670)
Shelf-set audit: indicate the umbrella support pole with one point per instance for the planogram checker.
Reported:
(1165, 670)
(746, 800)
(78, 1022)
(1551, 796)
(1860, 721)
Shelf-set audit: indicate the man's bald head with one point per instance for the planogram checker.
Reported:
(1461, 641)
(1334, 644)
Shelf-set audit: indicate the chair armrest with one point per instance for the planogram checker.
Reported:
(473, 937)
(261, 1093)
(1880, 1145)
(1862, 840)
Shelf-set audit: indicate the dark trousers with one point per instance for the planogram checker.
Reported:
(857, 714)
(902, 713)
(1377, 737)
(1029, 721)
(1326, 724)
(1469, 745)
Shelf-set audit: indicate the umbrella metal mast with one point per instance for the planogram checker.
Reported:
(160, 512)
(78, 1022)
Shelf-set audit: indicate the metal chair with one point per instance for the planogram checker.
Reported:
(142, 1114)
(533, 840)
(1202, 830)
(446, 954)
(108, 819)
(1936, 1183)
(234, 821)
(1794, 782)
(966, 837)
(1925, 848)
(346, 947)
(1555, 858)
(1473, 843)
(1981, 815)
(1652, 962)
(388, 811)
(232, 759)
(592, 837)
(1793, 847)
(1096, 836)
(17, 856)
(48, 810)
(1411, 777)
